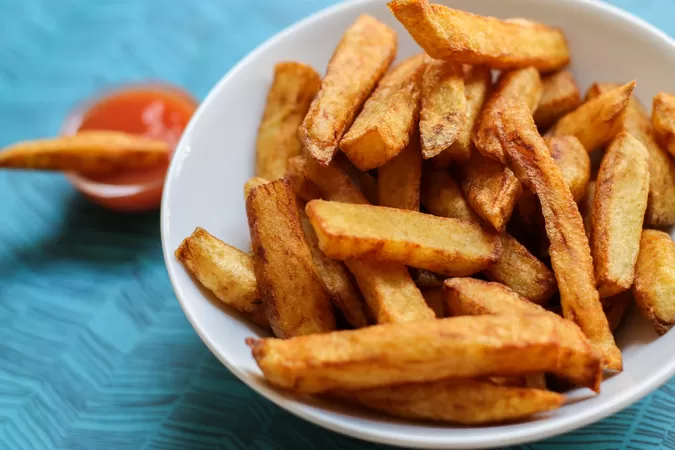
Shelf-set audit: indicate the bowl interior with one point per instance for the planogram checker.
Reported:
(216, 156)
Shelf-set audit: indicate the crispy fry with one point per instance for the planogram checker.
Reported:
(477, 83)
(615, 308)
(88, 152)
(225, 271)
(398, 181)
(619, 208)
(467, 402)
(569, 248)
(560, 95)
(388, 289)
(443, 106)
(572, 159)
(460, 36)
(518, 85)
(442, 197)
(253, 183)
(663, 120)
(363, 54)
(364, 181)
(295, 299)
(424, 351)
(294, 87)
(338, 282)
(597, 121)
(654, 287)
(661, 204)
(521, 271)
(424, 279)
(435, 300)
(447, 246)
(384, 125)
(297, 173)
(491, 189)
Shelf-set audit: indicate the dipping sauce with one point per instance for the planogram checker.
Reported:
(153, 110)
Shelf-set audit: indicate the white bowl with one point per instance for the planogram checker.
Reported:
(204, 187)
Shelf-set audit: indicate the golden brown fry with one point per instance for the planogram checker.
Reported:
(560, 95)
(441, 196)
(435, 300)
(295, 299)
(294, 87)
(521, 271)
(443, 106)
(597, 121)
(297, 173)
(654, 288)
(477, 83)
(424, 351)
(572, 159)
(398, 181)
(338, 282)
(460, 36)
(615, 308)
(661, 205)
(467, 402)
(253, 183)
(515, 86)
(491, 189)
(225, 271)
(663, 120)
(88, 152)
(618, 213)
(424, 279)
(384, 125)
(333, 183)
(569, 248)
(359, 61)
(364, 181)
(447, 246)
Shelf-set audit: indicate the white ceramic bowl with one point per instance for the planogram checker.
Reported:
(204, 187)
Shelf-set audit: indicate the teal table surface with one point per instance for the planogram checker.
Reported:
(95, 352)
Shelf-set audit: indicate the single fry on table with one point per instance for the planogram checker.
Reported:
(293, 88)
(365, 52)
(388, 118)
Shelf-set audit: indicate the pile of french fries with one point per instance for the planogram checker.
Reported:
(431, 245)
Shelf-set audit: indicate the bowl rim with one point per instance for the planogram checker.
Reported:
(545, 428)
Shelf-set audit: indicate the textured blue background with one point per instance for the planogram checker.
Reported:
(95, 352)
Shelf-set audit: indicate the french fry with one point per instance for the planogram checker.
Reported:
(293, 88)
(467, 402)
(442, 197)
(621, 192)
(424, 279)
(443, 106)
(518, 85)
(615, 308)
(425, 351)
(597, 121)
(336, 278)
(297, 173)
(364, 181)
(460, 36)
(491, 189)
(447, 246)
(477, 83)
(661, 204)
(569, 249)
(654, 287)
(365, 52)
(388, 289)
(435, 301)
(225, 271)
(572, 159)
(663, 120)
(521, 271)
(398, 181)
(253, 183)
(560, 95)
(383, 127)
(87, 152)
(294, 297)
